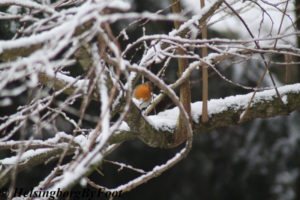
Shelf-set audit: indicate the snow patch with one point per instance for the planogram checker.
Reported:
(260, 23)
(25, 156)
(166, 120)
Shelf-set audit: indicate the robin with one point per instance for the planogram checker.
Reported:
(143, 93)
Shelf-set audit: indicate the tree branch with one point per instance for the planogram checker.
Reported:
(223, 112)
(204, 72)
(185, 89)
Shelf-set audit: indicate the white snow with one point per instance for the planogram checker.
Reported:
(123, 127)
(153, 55)
(166, 120)
(13, 25)
(28, 4)
(105, 113)
(25, 156)
(260, 24)
(82, 141)
(5, 102)
(80, 168)
(118, 4)
(61, 35)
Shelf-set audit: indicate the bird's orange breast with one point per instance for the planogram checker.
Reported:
(143, 92)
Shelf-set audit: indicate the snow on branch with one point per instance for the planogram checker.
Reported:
(67, 75)
(227, 111)
(28, 4)
(224, 112)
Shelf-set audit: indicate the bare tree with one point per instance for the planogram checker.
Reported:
(55, 36)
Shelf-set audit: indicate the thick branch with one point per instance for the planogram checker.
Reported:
(185, 89)
(223, 112)
(37, 159)
(266, 104)
(204, 72)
